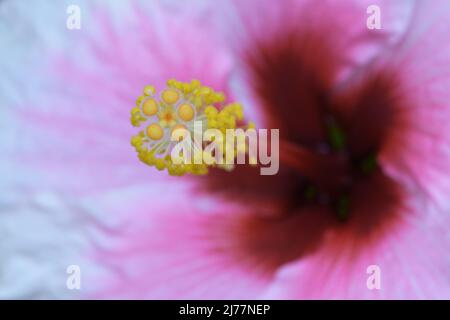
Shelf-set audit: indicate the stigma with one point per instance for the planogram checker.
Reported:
(179, 108)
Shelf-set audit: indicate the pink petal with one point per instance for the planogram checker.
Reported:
(82, 127)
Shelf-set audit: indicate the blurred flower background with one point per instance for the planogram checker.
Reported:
(365, 148)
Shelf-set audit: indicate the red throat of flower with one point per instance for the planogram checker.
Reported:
(330, 139)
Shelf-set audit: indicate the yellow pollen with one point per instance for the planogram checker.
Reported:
(150, 107)
(149, 90)
(186, 112)
(170, 96)
(155, 132)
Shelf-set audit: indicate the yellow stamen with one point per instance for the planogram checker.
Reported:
(170, 96)
(186, 112)
(150, 107)
(155, 132)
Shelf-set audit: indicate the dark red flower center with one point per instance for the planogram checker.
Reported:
(330, 141)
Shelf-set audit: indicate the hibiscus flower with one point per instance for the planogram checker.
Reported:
(364, 149)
